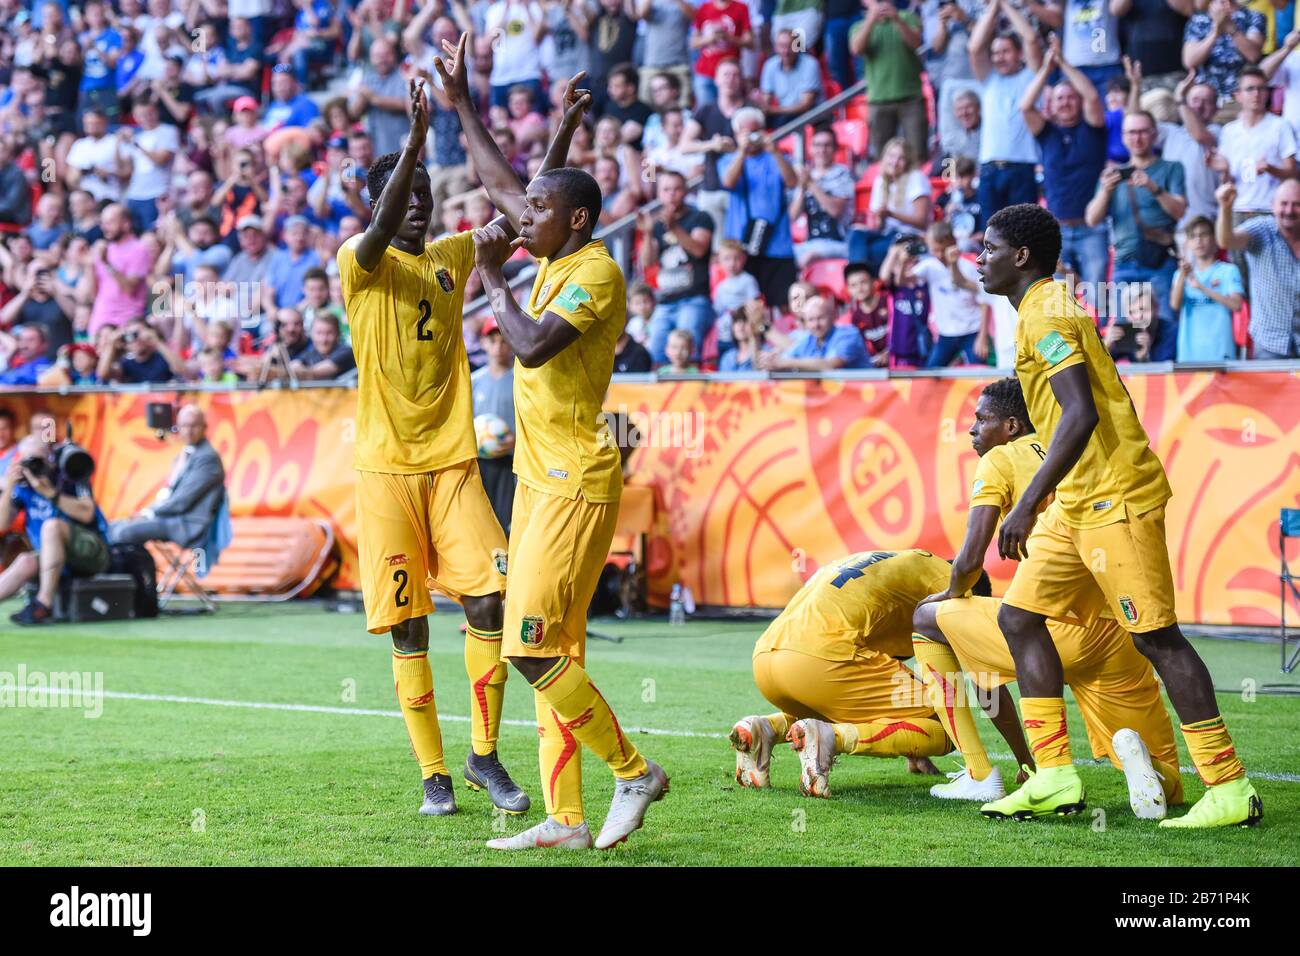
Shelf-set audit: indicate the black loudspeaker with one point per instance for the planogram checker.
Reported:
(160, 416)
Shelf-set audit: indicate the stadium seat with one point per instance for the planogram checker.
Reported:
(827, 275)
(1241, 330)
(269, 559)
(856, 109)
(716, 275)
(799, 229)
(852, 135)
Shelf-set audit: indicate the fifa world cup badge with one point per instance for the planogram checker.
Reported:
(445, 281)
(530, 633)
(1129, 608)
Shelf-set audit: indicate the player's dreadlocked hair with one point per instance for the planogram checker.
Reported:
(380, 171)
(1030, 226)
(1008, 401)
(579, 190)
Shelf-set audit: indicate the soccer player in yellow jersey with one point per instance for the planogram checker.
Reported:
(423, 518)
(831, 663)
(1100, 543)
(570, 480)
(1113, 684)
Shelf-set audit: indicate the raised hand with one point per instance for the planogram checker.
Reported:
(419, 115)
(576, 102)
(1226, 195)
(455, 78)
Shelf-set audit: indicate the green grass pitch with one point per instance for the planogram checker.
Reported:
(196, 782)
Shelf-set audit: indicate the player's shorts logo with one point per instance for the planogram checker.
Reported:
(445, 281)
(396, 559)
(499, 560)
(531, 631)
(1129, 608)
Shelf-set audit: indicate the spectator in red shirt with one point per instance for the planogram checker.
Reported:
(721, 28)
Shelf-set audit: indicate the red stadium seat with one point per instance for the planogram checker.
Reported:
(799, 229)
(852, 135)
(856, 109)
(716, 275)
(1241, 329)
(828, 275)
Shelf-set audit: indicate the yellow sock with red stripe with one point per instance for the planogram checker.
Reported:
(1045, 730)
(578, 704)
(487, 687)
(413, 680)
(559, 756)
(912, 737)
(945, 691)
(780, 723)
(1213, 754)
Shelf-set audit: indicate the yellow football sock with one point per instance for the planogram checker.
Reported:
(577, 704)
(560, 759)
(1213, 754)
(1045, 729)
(413, 680)
(780, 723)
(487, 685)
(945, 691)
(886, 737)
(1171, 782)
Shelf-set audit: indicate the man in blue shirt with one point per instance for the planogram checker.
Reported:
(65, 528)
(820, 346)
(101, 44)
(757, 175)
(289, 105)
(1074, 143)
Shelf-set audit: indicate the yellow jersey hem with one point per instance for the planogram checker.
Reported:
(423, 469)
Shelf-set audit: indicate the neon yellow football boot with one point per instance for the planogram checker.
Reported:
(1049, 791)
(1230, 804)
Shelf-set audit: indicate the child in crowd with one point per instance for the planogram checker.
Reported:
(640, 307)
(1205, 294)
(736, 288)
(212, 368)
(791, 321)
(910, 342)
(960, 203)
(868, 311)
(956, 300)
(1130, 338)
(679, 349)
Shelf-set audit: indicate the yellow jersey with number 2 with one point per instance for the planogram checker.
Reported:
(563, 446)
(414, 409)
(1118, 473)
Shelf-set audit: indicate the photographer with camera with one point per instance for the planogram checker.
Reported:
(65, 528)
(757, 176)
(1144, 201)
(138, 355)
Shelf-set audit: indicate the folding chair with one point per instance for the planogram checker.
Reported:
(187, 565)
(1288, 527)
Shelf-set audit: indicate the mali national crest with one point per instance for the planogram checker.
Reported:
(531, 631)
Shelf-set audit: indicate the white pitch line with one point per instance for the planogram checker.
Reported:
(461, 718)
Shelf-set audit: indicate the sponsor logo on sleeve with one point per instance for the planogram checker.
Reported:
(1053, 348)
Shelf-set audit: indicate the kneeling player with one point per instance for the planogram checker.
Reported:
(1113, 683)
(831, 663)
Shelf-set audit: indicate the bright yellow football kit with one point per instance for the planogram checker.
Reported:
(835, 654)
(1101, 542)
(565, 511)
(423, 517)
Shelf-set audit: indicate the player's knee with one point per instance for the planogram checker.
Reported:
(532, 668)
(1014, 622)
(1155, 644)
(484, 612)
(411, 635)
(925, 621)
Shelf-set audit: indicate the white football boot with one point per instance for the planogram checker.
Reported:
(550, 834)
(962, 786)
(752, 739)
(1145, 794)
(814, 741)
(631, 800)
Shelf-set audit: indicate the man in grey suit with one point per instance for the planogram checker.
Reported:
(187, 504)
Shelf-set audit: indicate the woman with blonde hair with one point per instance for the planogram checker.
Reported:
(901, 204)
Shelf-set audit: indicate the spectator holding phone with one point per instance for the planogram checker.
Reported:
(1206, 292)
(1144, 202)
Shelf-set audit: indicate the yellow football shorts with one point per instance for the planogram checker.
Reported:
(1113, 684)
(869, 687)
(558, 547)
(431, 530)
(1072, 573)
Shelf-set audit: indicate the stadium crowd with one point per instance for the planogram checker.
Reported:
(176, 175)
